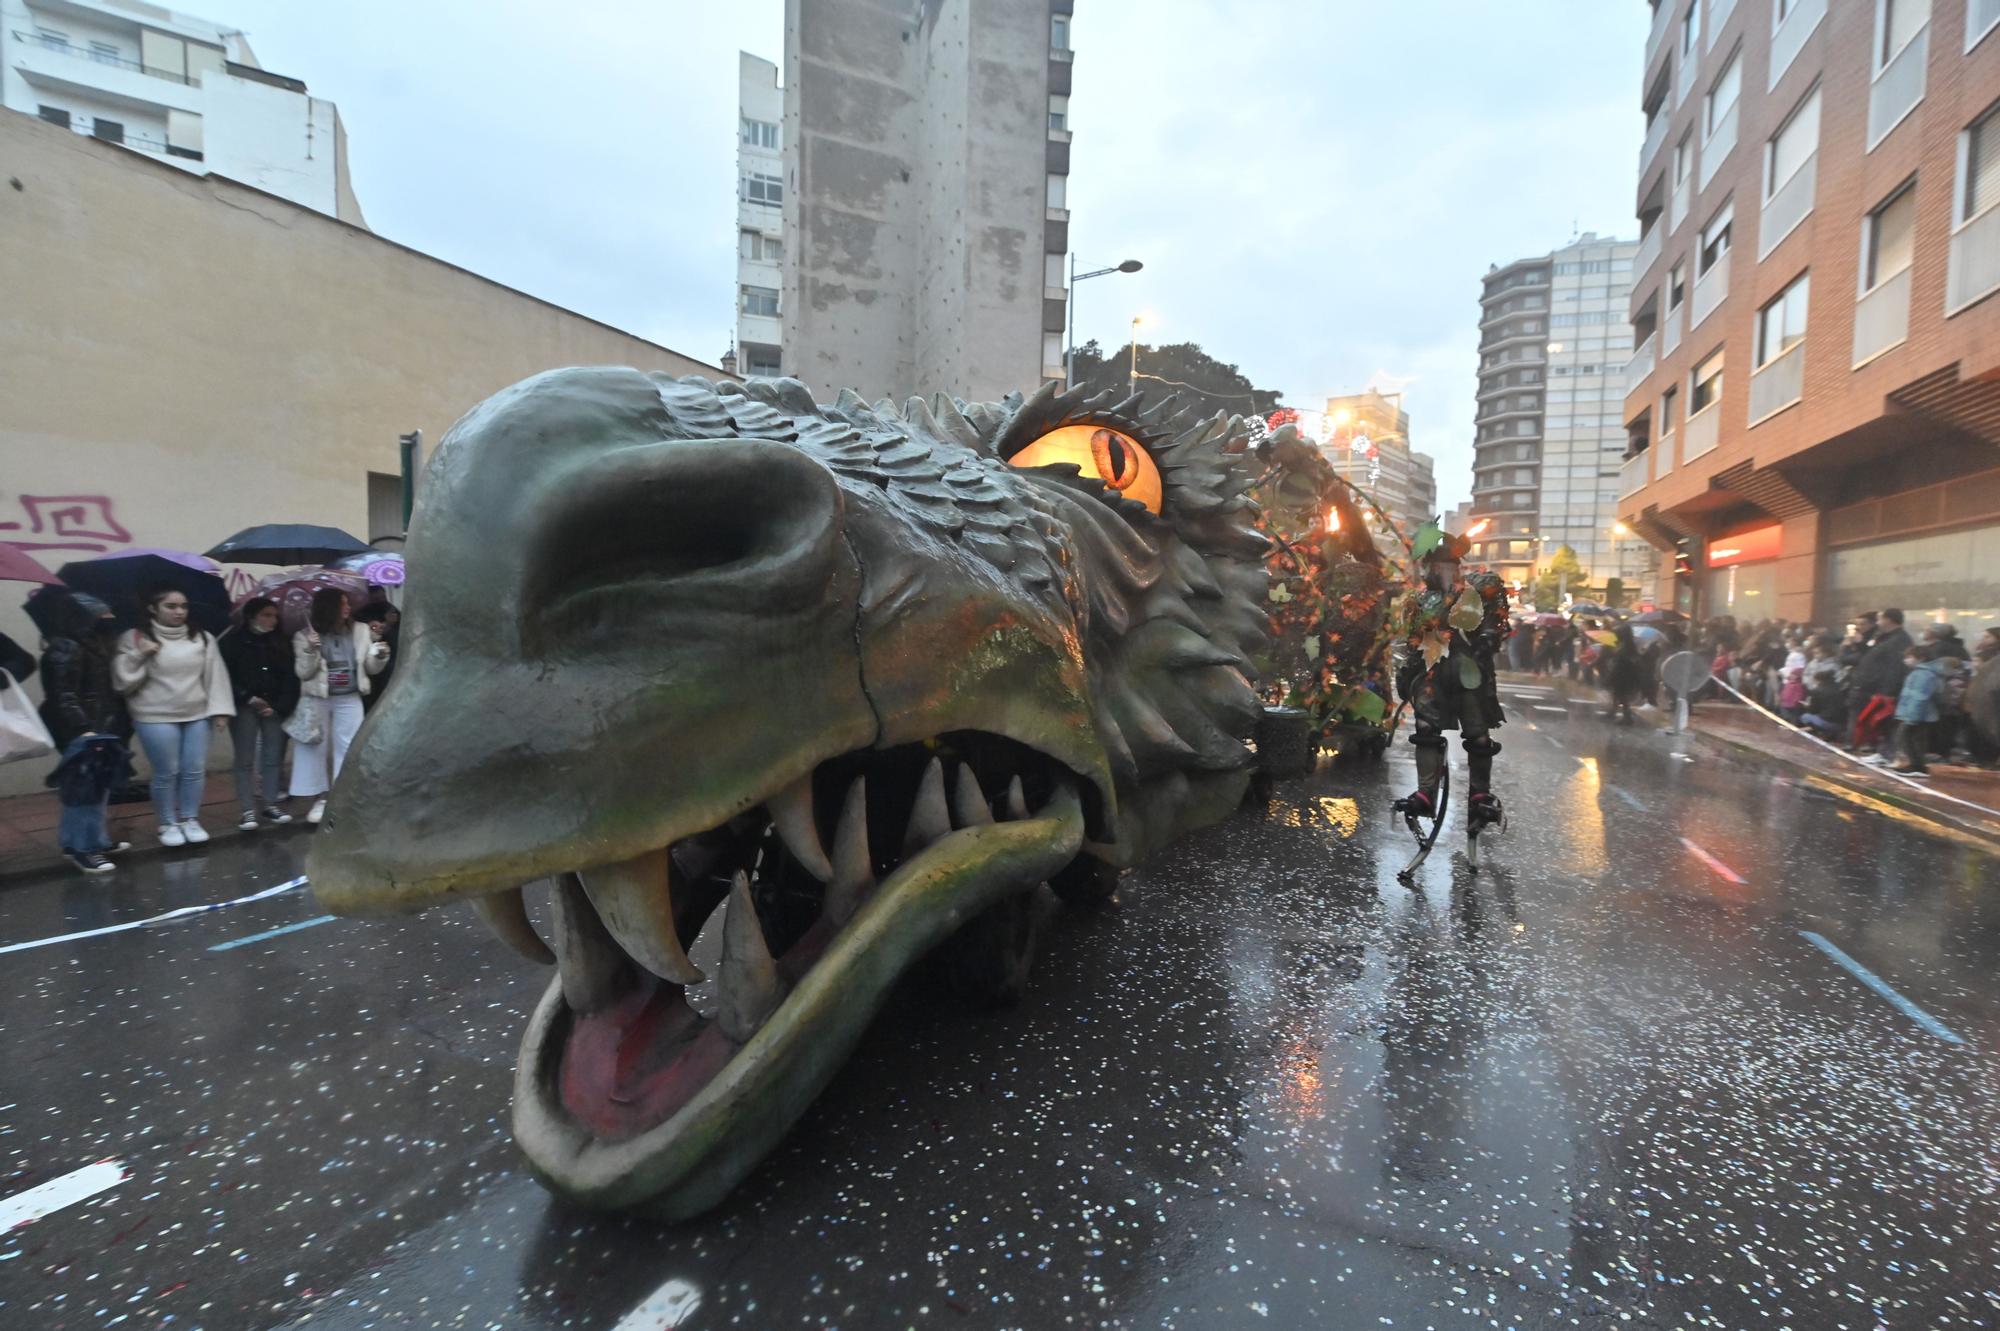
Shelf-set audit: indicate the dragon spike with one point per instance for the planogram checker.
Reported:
(1016, 801)
(968, 801)
(506, 914)
(952, 421)
(853, 870)
(792, 814)
(592, 967)
(930, 816)
(918, 413)
(635, 901)
(795, 397)
(748, 989)
(885, 408)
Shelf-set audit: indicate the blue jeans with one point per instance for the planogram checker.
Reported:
(80, 828)
(178, 752)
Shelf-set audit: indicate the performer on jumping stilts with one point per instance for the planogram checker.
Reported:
(1453, 629)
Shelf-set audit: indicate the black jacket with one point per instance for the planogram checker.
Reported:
(260, 666)
(15, 661)
(80, 697)
(1881, 668)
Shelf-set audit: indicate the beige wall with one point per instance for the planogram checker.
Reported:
(187, 356)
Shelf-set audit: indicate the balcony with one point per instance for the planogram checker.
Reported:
(1650, 246)
(1702, 432)
(1663, 455)
(1670, 331)
(1898, 87)
(1974, 271)
(1677, 202)
(1710, 290)
(1790, 38)
(1778, 383)
(1684, 83)
(63, 47)
(1715, 149)
(55, 64)
(1882, 318)
(1635, 473)
(1784, 210)
(1640, 368)
(1663, 20)
(1656, 138)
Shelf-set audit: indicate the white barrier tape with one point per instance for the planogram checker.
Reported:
(1933, 792)
(150, 922)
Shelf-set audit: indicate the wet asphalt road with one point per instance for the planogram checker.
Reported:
(1599, 1083)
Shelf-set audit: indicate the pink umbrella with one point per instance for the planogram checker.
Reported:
(16, 566)
(294, 592)
(382, 568)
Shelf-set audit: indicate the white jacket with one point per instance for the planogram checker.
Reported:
(370, 655)
(185, 680)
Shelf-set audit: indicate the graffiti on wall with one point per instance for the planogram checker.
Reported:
(89, 525)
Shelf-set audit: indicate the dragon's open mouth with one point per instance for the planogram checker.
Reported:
(640, 1068)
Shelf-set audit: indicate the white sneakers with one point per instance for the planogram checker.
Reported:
(317, 812)
(193, 831)
(248, 822)
(171, 835)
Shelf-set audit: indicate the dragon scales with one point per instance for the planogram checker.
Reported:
(860, 677)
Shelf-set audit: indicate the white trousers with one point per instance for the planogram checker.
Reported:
(315, 765)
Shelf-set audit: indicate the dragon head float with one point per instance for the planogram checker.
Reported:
(859, 678)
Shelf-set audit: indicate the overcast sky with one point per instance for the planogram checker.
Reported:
(1315, 188)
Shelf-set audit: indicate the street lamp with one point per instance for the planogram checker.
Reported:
(1133, 382)
(1069, 349)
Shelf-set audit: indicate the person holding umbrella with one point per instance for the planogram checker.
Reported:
(335, 658)
(174, 680)
(86, 718)
(266, 689)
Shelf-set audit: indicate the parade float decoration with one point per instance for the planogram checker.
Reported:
(842, 683)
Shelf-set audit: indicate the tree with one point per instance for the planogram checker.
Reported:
(1562, 573)
(1181, 367)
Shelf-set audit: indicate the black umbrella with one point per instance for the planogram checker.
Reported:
(122, 581)
(1660, 617)
(287, 544)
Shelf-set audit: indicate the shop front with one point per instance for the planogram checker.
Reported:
(1933, 553)
(1740, 575)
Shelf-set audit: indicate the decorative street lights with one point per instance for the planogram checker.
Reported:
(1069, 348)
(1133, 383)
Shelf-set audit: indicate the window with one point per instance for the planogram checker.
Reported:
(1524, 476)
(111, 131)
(1059, 31)
(1669, 400)
(1902, 20)
(1715, 239)
(1707, 385)
(1520, 500)
(1052, 271)
(761, 361)
(1782, 324)
(1796, 141)
(1890, 238)
(1676, 286)
(104, 53)
(759, 133)
(760, 300)
(1690, 31)
(52, 40)
(763, 189)
(1982, 165)
(1058, 112)
(1785, 8)
(1683, 159)
(1058, 191)
(1722, 94)
(761, 248)
(55, 115)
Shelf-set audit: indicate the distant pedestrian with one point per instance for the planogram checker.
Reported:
(266, 688)
(1917, 707)
(1877, 683)
(1627, 673)
(82, 709)
(334, 658)
(173, 679)
(385, 623)
(1982, 701)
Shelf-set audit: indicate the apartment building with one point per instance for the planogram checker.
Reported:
(1549, 429)
(760, 217)
(185, 90)
(926, 147)
(1813, 407)
(1367, 439)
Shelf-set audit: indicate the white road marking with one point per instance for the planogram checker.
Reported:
(47, 1198)
(665, 1309)
(1896, 1000)
(180, 914)
(1724, 870)
(1563, 710)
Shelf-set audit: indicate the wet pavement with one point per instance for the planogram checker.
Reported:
(1630, 1074)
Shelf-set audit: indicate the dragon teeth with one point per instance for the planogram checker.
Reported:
(853, 870)
(968, 801)
(930, 818)
(748, 989)
(635, 901)
(506, 914)
(593, 969)
(1016, 801)
(792, 814)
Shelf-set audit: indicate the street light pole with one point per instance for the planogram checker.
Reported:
(1133, 382)
(1069, 348)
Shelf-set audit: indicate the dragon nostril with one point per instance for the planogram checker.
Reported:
(710, 521)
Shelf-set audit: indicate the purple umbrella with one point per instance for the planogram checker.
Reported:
(294, 592)
(382, 568)
(185, 558)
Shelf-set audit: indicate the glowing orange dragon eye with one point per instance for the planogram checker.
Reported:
(1112, 456)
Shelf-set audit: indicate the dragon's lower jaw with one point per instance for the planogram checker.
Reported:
(626, 1096)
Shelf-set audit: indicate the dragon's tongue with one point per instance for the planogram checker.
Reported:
(630, 1065)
